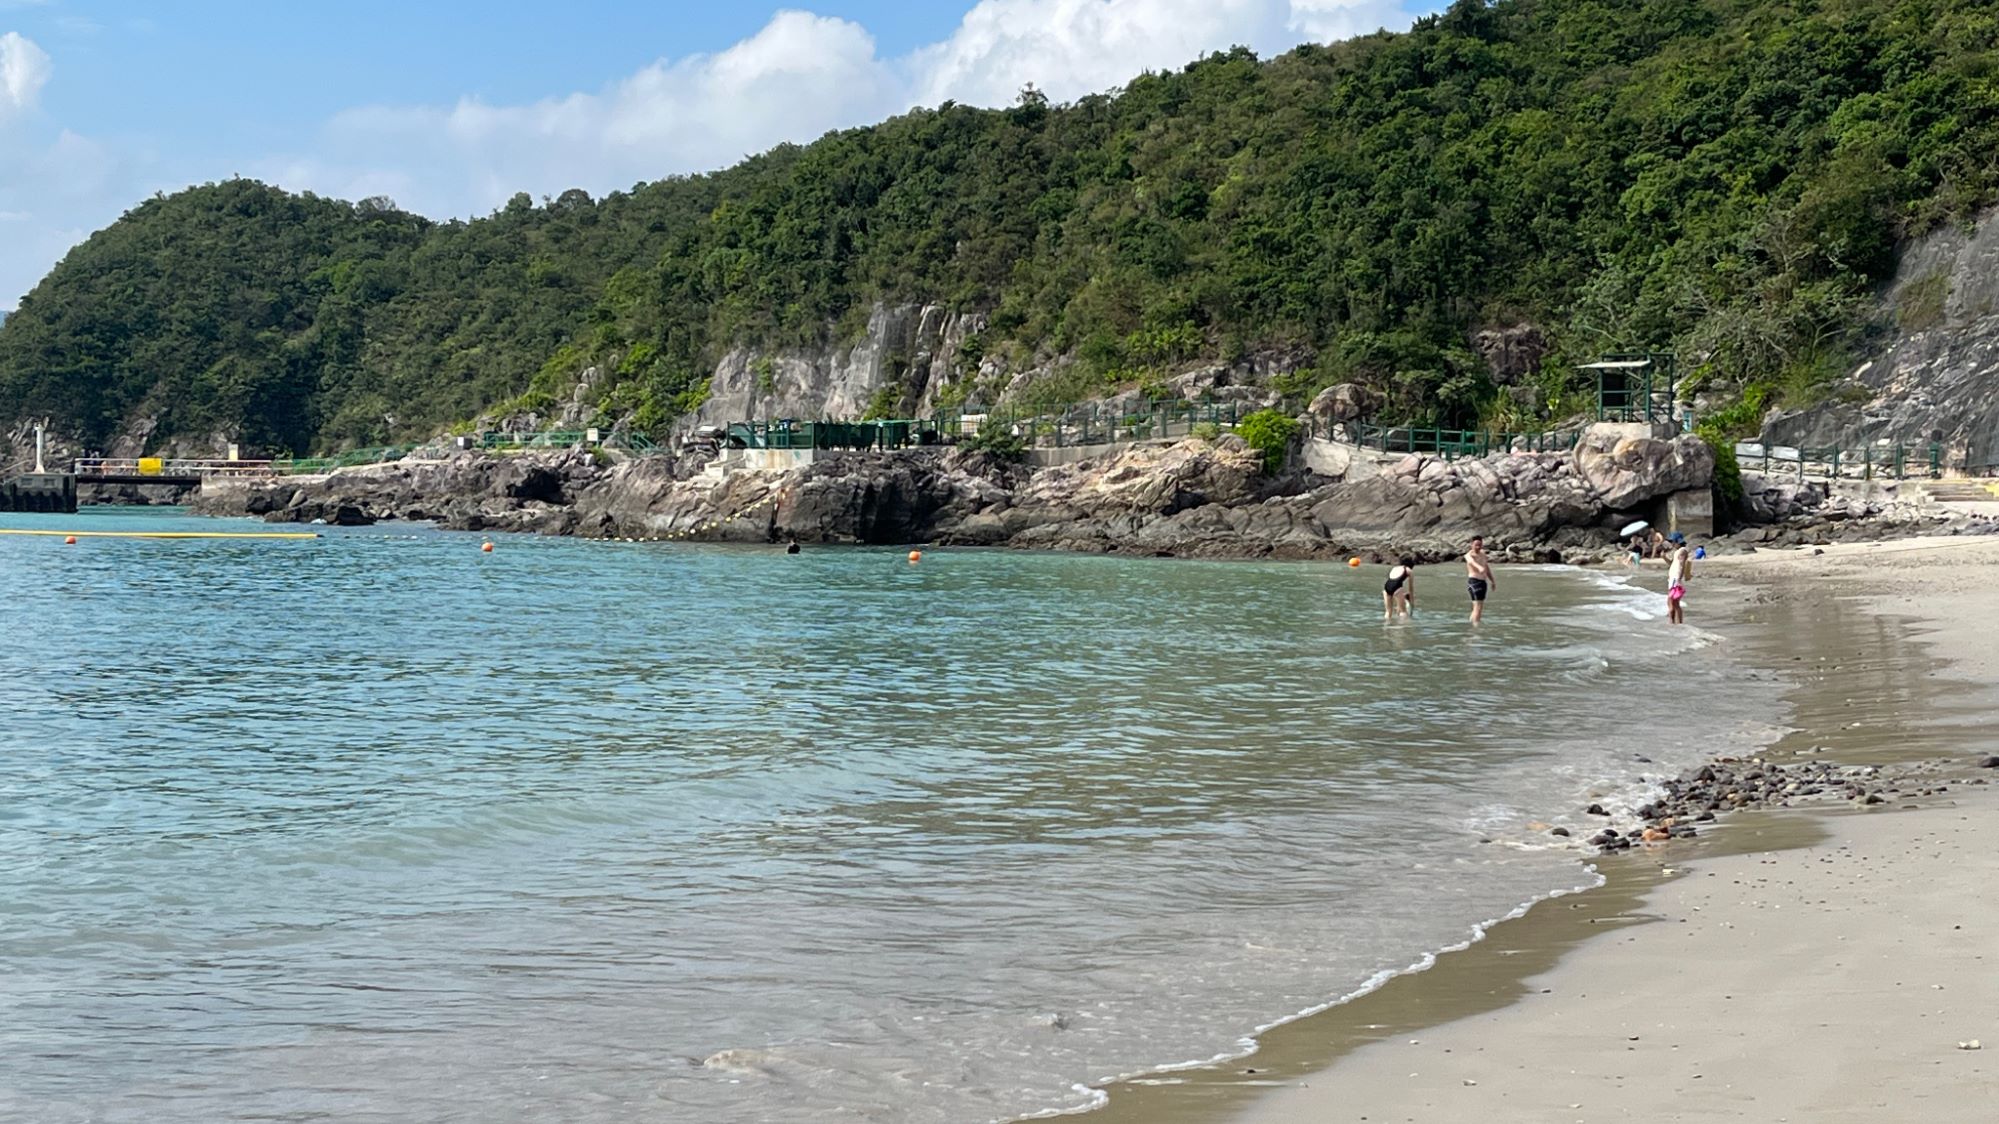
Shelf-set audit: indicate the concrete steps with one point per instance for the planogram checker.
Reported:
(1962, 491)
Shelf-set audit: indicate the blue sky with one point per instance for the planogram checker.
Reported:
(451, 107)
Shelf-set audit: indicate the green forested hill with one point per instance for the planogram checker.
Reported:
(1726, 177)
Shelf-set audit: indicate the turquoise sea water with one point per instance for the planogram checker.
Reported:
(377, 827)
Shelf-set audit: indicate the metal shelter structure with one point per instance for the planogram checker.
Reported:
(1635, 386)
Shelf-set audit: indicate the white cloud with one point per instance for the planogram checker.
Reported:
(800, 76)
(1326, 20)
(24, 70)
(795, 79)
(1073, 47)
(55, 184)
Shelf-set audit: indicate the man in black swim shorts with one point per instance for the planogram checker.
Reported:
(1478, 576)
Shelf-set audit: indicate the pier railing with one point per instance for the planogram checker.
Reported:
(1864, 462)
(490, 440)
(166, 468)
(1452, 443)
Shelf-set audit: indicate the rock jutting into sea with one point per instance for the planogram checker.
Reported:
(1194, 498)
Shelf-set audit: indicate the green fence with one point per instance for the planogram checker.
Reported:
(1865, 462)
(1450, 443)
(552, 439)
(1095, 423)
(300, 466)
(565, 438)
(785, 433)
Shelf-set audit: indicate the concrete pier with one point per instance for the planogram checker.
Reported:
(39, 491)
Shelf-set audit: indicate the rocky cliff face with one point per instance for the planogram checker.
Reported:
(1936, 374)
(912, 357)
(908, 355)
(1194, 498)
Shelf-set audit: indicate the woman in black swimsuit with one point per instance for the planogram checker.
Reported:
(1399, 590)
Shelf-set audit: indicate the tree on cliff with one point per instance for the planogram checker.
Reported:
(1727, 177)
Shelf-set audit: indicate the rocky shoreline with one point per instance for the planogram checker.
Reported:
(1195, 498)
(1730, 784)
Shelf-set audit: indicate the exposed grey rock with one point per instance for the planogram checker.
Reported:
(133, 495)
(1769, 500)
(911, 351)
(1193, 499)
(1343, 402)
(1937, 371)
(1511, 353)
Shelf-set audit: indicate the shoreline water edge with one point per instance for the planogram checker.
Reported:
(1890, 716)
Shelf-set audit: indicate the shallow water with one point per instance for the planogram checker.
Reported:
(379, 827)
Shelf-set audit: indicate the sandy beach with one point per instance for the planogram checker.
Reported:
(1841, 981)
(1830, 964)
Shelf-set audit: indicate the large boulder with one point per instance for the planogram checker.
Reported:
(1626, 471)
(1154, 481)
(1343, 402)
(1766, 500)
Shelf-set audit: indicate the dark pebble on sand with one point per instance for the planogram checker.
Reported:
(1595, 810)
(1989, 763)
(1561, 831)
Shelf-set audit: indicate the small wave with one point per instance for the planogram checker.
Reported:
(740, 1063)
(1093, 1099)
(1249, 1044)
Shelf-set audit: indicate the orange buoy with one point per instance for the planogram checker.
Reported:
(487, 547)
(70, 541)
(1354, 562)
(916, 556)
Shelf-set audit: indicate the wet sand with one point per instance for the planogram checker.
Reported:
(1793, 965)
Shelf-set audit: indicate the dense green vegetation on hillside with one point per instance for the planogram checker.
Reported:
(1728, 178)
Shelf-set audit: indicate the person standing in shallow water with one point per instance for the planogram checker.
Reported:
(1399, 591)
(1478, 577)
(1677, 573)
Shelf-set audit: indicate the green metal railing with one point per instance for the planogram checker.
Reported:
(298, 466)
(1451, 443)
(1095, 423)
(786, 433)
(564, 438)
(1867, 462)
